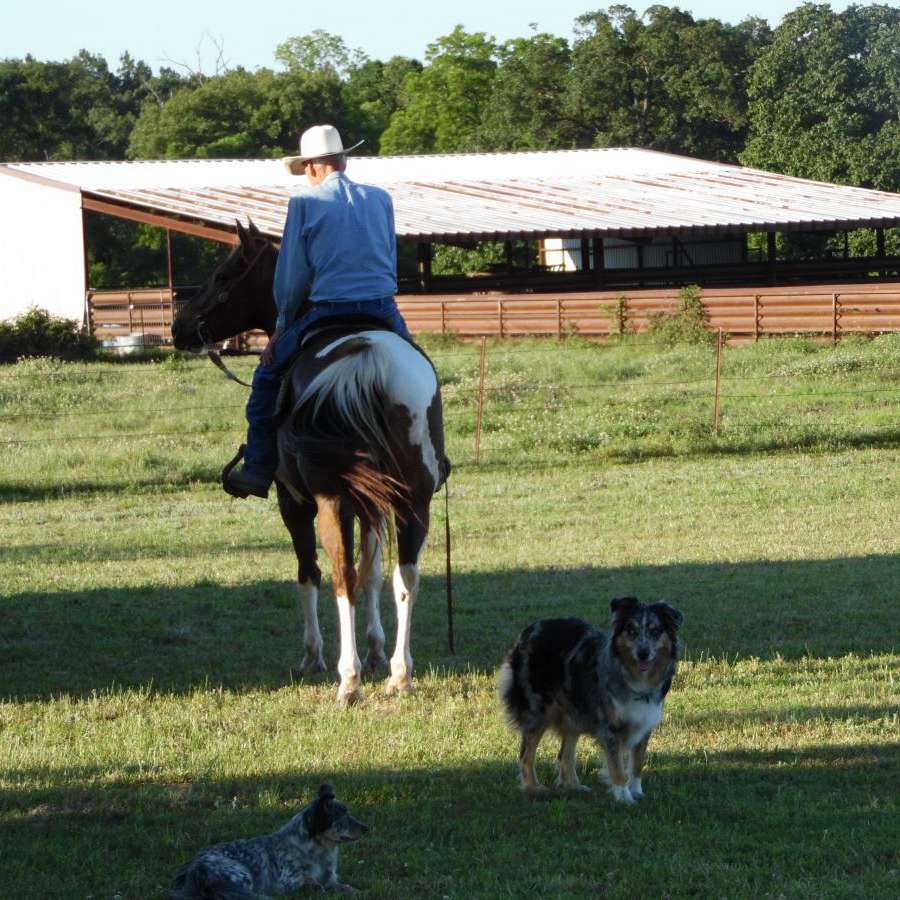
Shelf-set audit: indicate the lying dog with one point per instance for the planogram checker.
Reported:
(303, 852)
(567, 675)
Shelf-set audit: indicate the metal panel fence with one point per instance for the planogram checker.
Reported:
(740, 313)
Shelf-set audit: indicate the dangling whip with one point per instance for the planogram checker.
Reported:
(449, 577)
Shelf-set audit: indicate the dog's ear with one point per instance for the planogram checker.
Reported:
(323, 810)
(622, 607)
(670, 616)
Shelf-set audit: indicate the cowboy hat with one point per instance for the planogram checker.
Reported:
(315, 143)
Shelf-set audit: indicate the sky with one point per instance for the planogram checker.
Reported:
(189, 32)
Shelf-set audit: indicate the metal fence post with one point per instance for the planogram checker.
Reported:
(480, 413)
(834, 318)
(718, 382)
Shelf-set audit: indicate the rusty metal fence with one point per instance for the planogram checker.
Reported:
(739, 313)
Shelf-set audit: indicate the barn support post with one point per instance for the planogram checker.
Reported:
(772, 256)
(170, 277)
(425, 257)
(879, 249)
(599, 261)
(508, 251)
(585, 255)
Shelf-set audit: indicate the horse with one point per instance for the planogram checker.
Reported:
(360, 436)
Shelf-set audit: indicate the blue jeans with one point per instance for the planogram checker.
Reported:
(261, 455)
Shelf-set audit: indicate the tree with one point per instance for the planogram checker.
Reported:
(442, 106)
(662, 80)
(526, 106)
(824, 97)
(372, 94)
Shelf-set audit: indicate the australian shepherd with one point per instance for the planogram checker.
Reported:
(567, 675)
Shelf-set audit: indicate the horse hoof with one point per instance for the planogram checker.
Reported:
(397, 687)
(373, 662)
(349, 694)
(312, 666)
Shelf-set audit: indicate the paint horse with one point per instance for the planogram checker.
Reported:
(360, 436)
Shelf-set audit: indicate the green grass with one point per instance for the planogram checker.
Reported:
(148, 629)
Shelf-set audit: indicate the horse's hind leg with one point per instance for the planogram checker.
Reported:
(299, 518)
(371, 577)
(336, 533)
(411, 533)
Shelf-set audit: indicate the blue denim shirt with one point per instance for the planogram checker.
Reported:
(339, 244)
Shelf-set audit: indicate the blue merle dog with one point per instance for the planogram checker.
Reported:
(303, 852)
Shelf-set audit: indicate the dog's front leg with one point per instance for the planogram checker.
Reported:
(639, 757)
(617, 766)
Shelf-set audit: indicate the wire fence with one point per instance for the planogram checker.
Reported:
(474, 397)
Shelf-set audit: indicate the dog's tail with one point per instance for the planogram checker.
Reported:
(339, 425)
(196, 881)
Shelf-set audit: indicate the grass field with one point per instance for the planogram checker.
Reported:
(148, 629)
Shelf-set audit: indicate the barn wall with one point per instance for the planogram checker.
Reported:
(41, 249)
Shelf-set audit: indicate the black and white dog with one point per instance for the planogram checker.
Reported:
(303, 852)
(569, 676)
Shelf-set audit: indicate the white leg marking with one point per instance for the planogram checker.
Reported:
(348, 662)
(406, 586)
(370, 564)
(637, 790)
(312, 636)
(621, 793)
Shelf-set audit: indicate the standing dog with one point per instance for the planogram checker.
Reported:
(303, 852)
(567, 675)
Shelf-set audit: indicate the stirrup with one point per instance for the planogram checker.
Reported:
(234, 461)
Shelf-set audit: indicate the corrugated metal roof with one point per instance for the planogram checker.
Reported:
(620, 191)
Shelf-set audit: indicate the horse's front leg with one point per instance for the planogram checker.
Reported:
(299, 518)
(336, 533)
(370, 578)
(411, 534)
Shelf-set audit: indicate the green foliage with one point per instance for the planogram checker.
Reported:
(526, 106)
(372, 93)
(452, 260)
(442, 105)
(824, 97)
(688, 323)
(662, 80)
(38, 334)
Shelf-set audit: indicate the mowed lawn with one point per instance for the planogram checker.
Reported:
(149, 629)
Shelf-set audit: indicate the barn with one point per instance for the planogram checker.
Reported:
(602, 219)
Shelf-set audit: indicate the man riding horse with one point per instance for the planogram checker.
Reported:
(338, 258)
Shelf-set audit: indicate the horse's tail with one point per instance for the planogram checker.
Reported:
(339, 424)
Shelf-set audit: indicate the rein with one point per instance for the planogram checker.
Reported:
(217, 360)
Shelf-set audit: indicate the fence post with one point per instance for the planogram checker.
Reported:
(755, 318)
(500, 316)
(443, 318)
(834, 318)
(718, 382)
(558, 317)
(480, 413)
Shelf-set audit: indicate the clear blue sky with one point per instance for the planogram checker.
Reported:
(161, 31)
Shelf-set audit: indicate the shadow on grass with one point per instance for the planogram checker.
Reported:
(22, 492)
(180, 637)
(741, 823)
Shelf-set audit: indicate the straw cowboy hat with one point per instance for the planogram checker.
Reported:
(315, 143)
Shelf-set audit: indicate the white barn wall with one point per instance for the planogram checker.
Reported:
(41, 249)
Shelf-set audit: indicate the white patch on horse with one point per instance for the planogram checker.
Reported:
(349, 666)
(406, 374)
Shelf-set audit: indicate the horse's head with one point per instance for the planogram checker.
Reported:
(237, 297)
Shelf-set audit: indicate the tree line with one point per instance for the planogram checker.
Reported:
(815, 97)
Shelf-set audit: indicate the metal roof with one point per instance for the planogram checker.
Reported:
(619, 191)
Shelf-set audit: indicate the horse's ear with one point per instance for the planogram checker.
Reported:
(241, 231)
(254, 231)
